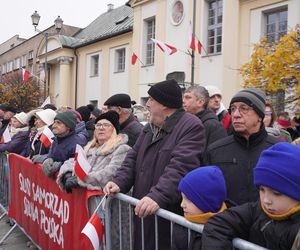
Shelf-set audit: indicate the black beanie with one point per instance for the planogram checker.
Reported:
(111, 116)
(119, 100)
(85, 113)
(67, 118)
(167, 93)
(253, 97)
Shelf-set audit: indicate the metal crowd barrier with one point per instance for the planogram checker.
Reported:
(173, 218)
(4, 184)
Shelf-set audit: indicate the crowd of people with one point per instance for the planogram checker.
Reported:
(235, 170)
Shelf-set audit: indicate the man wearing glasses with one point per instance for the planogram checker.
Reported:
(238, 153)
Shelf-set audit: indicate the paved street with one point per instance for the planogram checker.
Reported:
(16, 241)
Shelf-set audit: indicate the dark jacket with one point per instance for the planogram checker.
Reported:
(82, 133)
(17, 143)
(155, 167)
(64, 148)
(250, 223)
(37, 148)
(3, 127)
(213, 128)
(132, 128)
(237, 156)
(90, 127)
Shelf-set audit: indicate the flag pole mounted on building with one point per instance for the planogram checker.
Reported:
(193, 52)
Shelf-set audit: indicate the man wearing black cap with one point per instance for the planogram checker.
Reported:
(121, 103)
(237, 154)
(169, 147)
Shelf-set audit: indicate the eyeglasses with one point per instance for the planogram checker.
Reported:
(243, 109)
(268, 113)
(102, 125)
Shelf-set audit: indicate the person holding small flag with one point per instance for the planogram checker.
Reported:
(104, 155)
(16, 135)
(41, 138)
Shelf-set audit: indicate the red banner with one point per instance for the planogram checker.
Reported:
(51, 217)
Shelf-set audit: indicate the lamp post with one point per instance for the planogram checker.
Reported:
(58, 22)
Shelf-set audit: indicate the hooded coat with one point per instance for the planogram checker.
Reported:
(154, 167)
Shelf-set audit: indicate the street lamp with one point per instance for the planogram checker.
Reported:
(58, 22)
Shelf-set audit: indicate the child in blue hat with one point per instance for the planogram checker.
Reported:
(274, 220)
(203, 193)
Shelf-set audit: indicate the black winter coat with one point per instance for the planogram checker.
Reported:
(236, 156)
(214, 129)
(132, 128)
(154, 169)
(250, 223)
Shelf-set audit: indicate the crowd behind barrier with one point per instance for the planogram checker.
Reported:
(122, 199)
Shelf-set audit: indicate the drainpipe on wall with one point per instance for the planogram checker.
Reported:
(76, 76)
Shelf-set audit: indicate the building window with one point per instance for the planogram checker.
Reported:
(17, 63)
(276, 24)
(95, 65)
(23, 63)
(30, 68)
(30, 55)
(120, 60)
(150, 46)
(215, 18)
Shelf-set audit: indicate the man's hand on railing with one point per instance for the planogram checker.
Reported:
(111, 188)
(146, 206)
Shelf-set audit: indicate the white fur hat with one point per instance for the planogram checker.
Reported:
(213, 90)
(47, 116)
(22, 118)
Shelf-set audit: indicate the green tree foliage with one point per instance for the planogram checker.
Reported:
(275, 66)
(23, 96)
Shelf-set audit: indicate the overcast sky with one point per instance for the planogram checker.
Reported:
(15, 17)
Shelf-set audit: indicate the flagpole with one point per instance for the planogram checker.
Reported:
(100, 203)
(193, 52)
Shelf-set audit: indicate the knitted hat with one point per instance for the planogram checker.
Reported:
(22, 118)
(3, 106)
(68, 118)
(47, 116)
(10, 109)
(50, 106)
(111, 116)
(278, 168)
(253, 97)
(167, 93)
(213, 90)
(119, 100)
(205, 187)
(85, 113)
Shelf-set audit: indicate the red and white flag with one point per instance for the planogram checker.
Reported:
(82, 166)
(133, 58)
(192, 43)
(94, 231)
(25, 75)
(166, 48)
(5, 138)
(199, 45)
(47, 137)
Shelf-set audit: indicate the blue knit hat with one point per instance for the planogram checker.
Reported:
(279, 168)
(205, 187)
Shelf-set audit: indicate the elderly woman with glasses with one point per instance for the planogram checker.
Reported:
(105, 153)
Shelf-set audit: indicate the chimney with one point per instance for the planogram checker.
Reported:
(110, 7)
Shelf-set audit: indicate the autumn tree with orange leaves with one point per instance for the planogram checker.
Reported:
(275, 67)
(23, 96)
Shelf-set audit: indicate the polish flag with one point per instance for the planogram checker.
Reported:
(5, 138)
(94, 231)
(25, 75)
(82, 166)
(166, 48)
(133, 58)
(192, 44)
(199, 45)
(46, 137)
